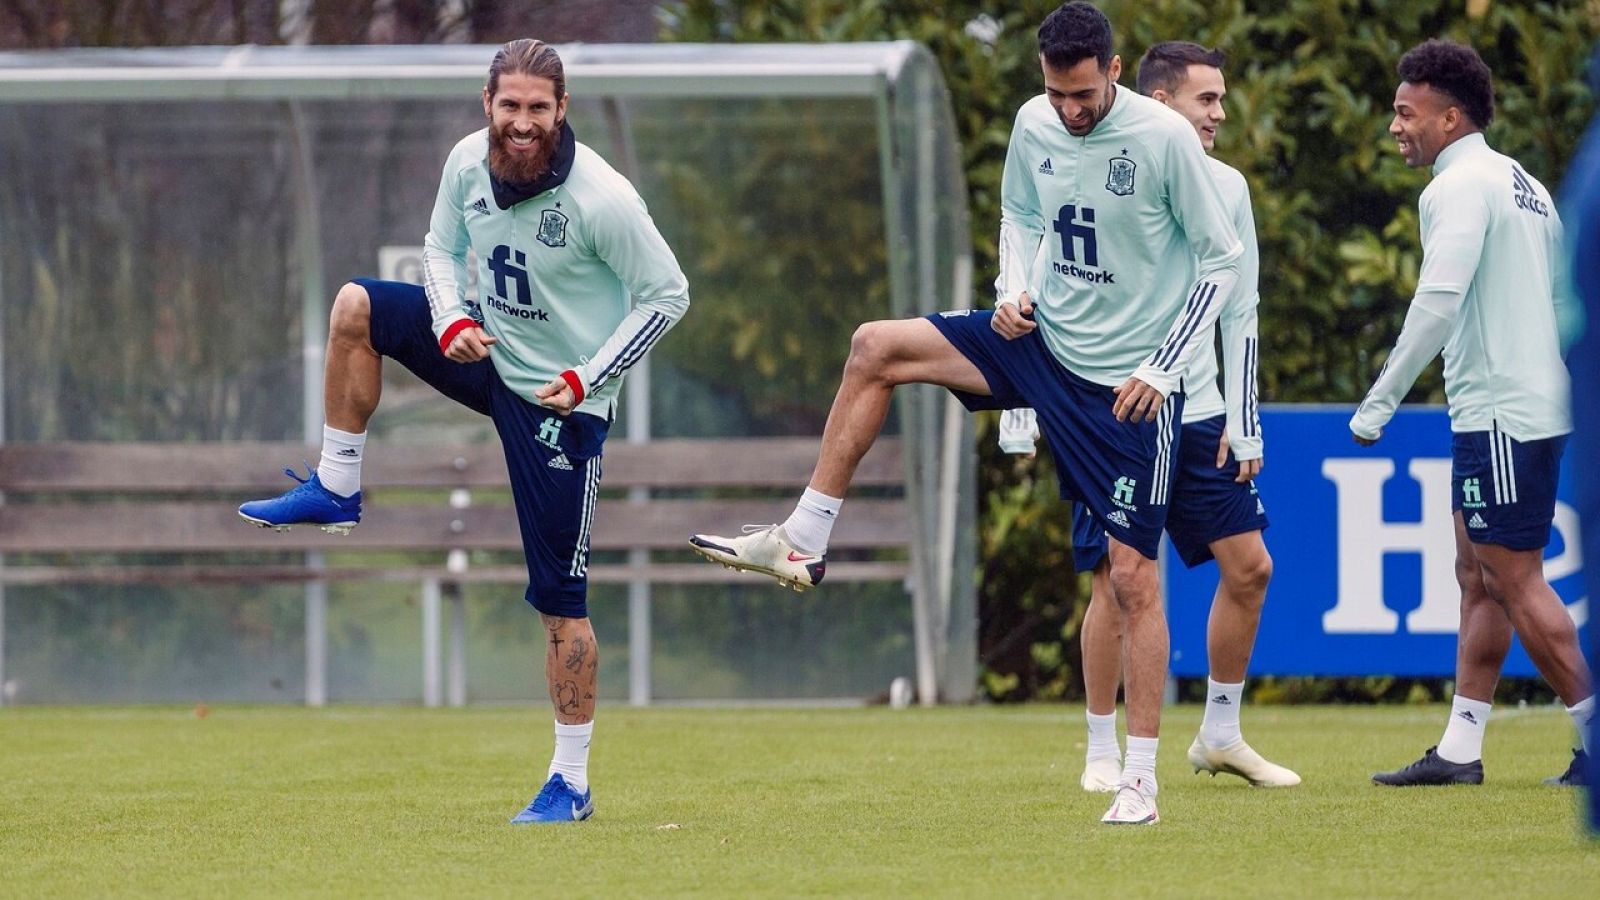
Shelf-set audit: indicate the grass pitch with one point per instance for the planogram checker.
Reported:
(739, 802)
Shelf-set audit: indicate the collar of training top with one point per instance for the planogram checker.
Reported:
(508, 194)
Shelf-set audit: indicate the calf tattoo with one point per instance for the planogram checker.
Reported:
(567, 697)
(578, 653)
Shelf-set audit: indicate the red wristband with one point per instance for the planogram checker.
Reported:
(450, 333)
(576, 383)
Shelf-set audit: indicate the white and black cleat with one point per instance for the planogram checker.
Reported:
(765, 549)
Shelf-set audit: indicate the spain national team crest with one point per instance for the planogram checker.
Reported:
(1119, 180)
(553, 229)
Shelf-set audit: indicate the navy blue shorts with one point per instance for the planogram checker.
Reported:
(1505, 489)
(1207, 504)
(1121, 471)
(554, 460)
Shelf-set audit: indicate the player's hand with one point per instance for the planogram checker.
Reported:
(1366, 442)
(470, 345)
(1136, 401)
(1248, 468)
(556, 395)
(1013, 320)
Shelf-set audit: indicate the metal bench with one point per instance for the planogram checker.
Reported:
(69, 506)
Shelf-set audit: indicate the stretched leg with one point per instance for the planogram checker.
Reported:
(883, 355)
(330, 497)
(352, 378)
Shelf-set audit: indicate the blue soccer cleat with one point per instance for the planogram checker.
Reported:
(308, 504)
(557, 802)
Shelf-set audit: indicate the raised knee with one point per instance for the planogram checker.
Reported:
(352, 313)
(870, 351)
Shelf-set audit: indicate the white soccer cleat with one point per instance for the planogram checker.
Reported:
(1101, 776)
(1132, 806)
(765, 549)
(1239, 759)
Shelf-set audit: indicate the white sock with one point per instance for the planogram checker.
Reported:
(1102, 737)
(1220, 726)
(340, 469)
(1582, 714)
(811, 523)
(1140, 765)
(1463, 737)
(572, 755)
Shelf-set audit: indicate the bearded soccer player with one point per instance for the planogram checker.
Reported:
(1489, 295)
(1216, 512)
(577, 286)
(1108, 204)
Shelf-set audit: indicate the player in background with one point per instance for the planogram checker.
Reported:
(562, 241)
(1215, 512)
(1491, 294)
(1108, 204)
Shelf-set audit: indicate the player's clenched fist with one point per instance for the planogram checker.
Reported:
(1013, 320)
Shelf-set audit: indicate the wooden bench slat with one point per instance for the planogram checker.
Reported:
(216, 527)
(253, 468)
(658, 573)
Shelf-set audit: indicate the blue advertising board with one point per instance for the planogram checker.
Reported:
(1363, 547)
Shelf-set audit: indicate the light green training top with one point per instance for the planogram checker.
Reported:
(1120, 237)
(576, 278)
(1493, 276)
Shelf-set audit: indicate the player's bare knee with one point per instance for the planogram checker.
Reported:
(1133, 588)
(351, 317)
(1468, 576)
(871, 352)
(1247, 581)
(1500, 587)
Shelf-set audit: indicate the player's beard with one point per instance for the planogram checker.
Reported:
(514, 167)
(1097, 116)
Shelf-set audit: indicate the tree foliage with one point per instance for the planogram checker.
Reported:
(1310, 84)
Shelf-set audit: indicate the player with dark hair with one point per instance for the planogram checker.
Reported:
(1116, 256)
(1216, 512)
(1169, 67)
(577, 286)
(1492, 295)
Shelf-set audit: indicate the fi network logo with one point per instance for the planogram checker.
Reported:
(1122, 492)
